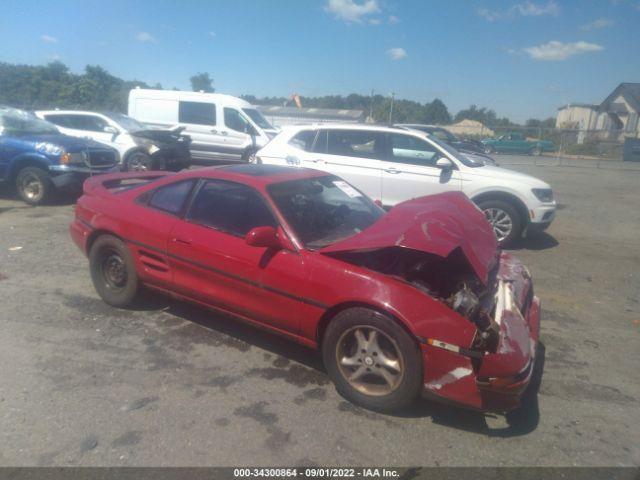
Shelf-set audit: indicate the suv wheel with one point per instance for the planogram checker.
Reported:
(34, 185)
(504, 219)
(113, 271)
(372, 361)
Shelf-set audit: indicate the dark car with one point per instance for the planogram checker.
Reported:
(38, 159)
(463, 145)
(415, 300)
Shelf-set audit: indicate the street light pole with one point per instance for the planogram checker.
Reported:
(391, 108)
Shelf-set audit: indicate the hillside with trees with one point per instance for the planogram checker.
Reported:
(54, 86)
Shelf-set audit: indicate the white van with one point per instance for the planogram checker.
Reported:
(221, 127)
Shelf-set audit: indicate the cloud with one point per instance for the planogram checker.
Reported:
(145, 37)
(598, 24)
(556, 51)
(54, 57)
(351, 11)
(375, 21)
(397, 53)
(525, 9)
(211, 34)
(393, 19)
(48, 39)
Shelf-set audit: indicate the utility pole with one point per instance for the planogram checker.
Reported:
(391, 107)
(371, 107)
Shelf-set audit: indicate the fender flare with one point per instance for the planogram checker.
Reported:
(27, 160)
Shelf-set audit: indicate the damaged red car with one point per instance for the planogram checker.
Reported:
(417, 300)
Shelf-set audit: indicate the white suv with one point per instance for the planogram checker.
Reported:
(392, 165)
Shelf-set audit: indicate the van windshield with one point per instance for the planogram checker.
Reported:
(258, 118)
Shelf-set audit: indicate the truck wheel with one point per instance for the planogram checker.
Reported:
(138, 162)
(372, 361)
(34, 186)
(113, 271)
(504, 219)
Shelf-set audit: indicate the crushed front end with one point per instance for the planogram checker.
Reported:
(493, 371)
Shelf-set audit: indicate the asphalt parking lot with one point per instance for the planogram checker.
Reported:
(82, 383)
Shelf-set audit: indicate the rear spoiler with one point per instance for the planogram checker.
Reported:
(114, 182)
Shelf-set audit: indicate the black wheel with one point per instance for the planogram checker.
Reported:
(504, 218)
(537, 151)
(372, 360)
(113, 271)
(34, 186)
(488, 149)
(249, 155)
(138, 162)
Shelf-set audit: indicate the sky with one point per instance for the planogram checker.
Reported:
(521, 58)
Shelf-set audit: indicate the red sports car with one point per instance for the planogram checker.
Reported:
(410, 301)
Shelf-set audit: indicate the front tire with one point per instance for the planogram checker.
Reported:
(372, 360)
(249, 155)
(138, 162)
(34, 186)
(504, 218)
(113, 271)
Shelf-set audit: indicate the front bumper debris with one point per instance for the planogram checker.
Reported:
(496, 381)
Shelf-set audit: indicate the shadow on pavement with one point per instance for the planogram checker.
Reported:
(534, 241)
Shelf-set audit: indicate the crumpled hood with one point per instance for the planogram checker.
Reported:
(437, 224)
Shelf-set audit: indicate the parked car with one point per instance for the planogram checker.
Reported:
(139, 147)
(515, 142)
(416, 300)
(38, 159)
(392, 165)
(220, 126)
(463, 145)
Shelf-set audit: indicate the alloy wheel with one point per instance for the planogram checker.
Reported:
(369, 360)
(500, 221)
(138, 163)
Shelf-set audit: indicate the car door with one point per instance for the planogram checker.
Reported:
(212, 262)
(352, 154)
(237, 131)
(410, 170)
(200, 120)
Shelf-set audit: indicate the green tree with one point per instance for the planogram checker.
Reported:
(202, 82)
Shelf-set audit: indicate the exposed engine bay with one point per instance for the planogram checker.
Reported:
(449, 280)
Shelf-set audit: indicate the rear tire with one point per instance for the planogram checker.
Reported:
(34, 186)
(389, 364)
(113, 271)
(505, 220)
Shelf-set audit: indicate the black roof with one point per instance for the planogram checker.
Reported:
(629, 91)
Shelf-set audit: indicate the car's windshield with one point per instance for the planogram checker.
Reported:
(464, 159)
(19, 122)
(324, 210)
(126, 122)
(258, 118)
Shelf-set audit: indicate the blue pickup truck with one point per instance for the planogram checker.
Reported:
(39, 160)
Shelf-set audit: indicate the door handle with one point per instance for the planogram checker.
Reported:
(214, 131)
(182, 241)
(392, 170)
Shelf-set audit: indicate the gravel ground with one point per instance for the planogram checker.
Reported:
(170, 384)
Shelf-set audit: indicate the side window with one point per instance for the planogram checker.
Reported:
(61, 120)
(412, 150)
(303, 140)
(235, 121)
(89, 123)
(198, 113)
(230, 207)
(321, 142)
(171, 198)
(355, 143)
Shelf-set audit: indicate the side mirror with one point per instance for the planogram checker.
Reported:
(444, 163)
(263, 237)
